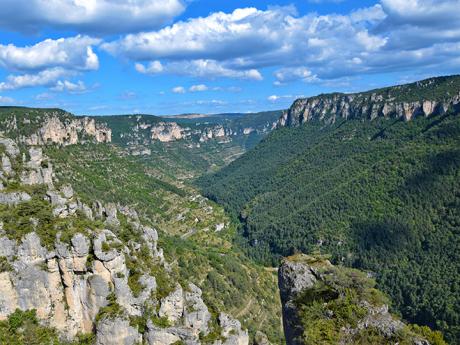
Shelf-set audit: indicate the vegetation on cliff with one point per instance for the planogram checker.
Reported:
(338, 305)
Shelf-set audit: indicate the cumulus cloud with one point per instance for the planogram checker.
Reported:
(294, 73)
(47, 77)
(78, 87)
(72, 53)
(198, 68)
(198, 88)
(388, 36)
(179, 89)
(422, 12)
(246, 31)
(91, 16)
(48, 63)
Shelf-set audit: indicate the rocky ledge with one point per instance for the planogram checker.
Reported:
(324, 304)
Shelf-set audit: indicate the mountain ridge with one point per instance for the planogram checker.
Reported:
(423, 98)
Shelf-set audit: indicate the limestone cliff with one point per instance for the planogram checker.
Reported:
(324, 304)
(171, 131)
(92, 268)
(435, 96)
(51, 126)
(56, 131)
(167, 132)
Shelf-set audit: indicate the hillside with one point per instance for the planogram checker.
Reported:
(190, 145)
(379, 190)
(67, 180)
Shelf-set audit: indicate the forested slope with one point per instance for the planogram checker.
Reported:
(381, 195)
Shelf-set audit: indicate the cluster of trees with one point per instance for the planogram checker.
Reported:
(382, 195)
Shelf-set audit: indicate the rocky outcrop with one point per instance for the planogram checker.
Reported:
(196, 313)
(68, 131)
(70, 284)
(8, 156)
(117, 332)
(387, 103)
(167, 132)
(261, 339)
(294, 277)
(82, 273)
(88, 280)
(209, 133)
(14, 198)
(231, 330)
(37, 170)
(304, 280)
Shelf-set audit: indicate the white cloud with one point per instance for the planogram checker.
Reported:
(6, 100)
(422, 12)
(389, 36)
(179, 89)
(47, 77)
(214, 102)
(199, 68)
(66, 85)
(276, 98)
(48, 62)
(92, 16)
(198, 88)
(294, 73)
(74, 53)
(153, 67)
(246, 31)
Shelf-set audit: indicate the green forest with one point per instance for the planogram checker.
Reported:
(382, 196)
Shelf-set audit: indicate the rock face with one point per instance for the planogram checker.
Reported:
(294, 277)
(167, 132)
(386, 103)
(39, 170)
(215, 132)
(69, 131)
(70, 284)
(303, 279)
(117, 332)
(87, 279)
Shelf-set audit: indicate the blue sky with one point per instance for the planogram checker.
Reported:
(207, 56)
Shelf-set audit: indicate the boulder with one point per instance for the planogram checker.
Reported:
(172, 306)
(14, 198)
(196, 313)
(116, 332)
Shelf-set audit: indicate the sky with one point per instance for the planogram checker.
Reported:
(165, 57)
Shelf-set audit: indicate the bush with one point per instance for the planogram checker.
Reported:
(23, 328)
(5, 266)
